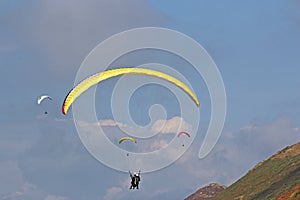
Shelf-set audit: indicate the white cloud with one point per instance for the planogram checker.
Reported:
(249, 128)
(30, 191)
(276, 134)
(161, 191)
(110, 122)
(53, 197)
(12, 196)
(113, 193)
(11, 178)
(173, 125)
(28, 187)
(297, 130)
(150, 144)
(158, 144)
(23, 191)
(63, 119)
(107, 122)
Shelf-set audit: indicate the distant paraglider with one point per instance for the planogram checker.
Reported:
(43, 98)
(127, 138)
(183, 133)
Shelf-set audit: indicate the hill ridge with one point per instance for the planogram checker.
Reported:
(207, 192)
(277, 176)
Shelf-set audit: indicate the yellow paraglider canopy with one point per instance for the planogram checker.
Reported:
(127, 138)
(94, 79)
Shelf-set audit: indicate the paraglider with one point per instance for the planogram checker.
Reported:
(96, 78)
(43, 98)
(183, 133)
(127, 138)
(135, 180)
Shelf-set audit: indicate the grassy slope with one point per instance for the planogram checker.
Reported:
(269, 179)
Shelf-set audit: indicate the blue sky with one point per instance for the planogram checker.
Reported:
(255, 45)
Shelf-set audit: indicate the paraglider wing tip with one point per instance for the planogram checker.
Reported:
(63, 110)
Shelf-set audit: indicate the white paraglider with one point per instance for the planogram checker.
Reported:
(43, 98)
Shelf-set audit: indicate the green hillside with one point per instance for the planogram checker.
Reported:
(275, 178)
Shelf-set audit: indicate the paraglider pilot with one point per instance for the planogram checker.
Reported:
(135, 179)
